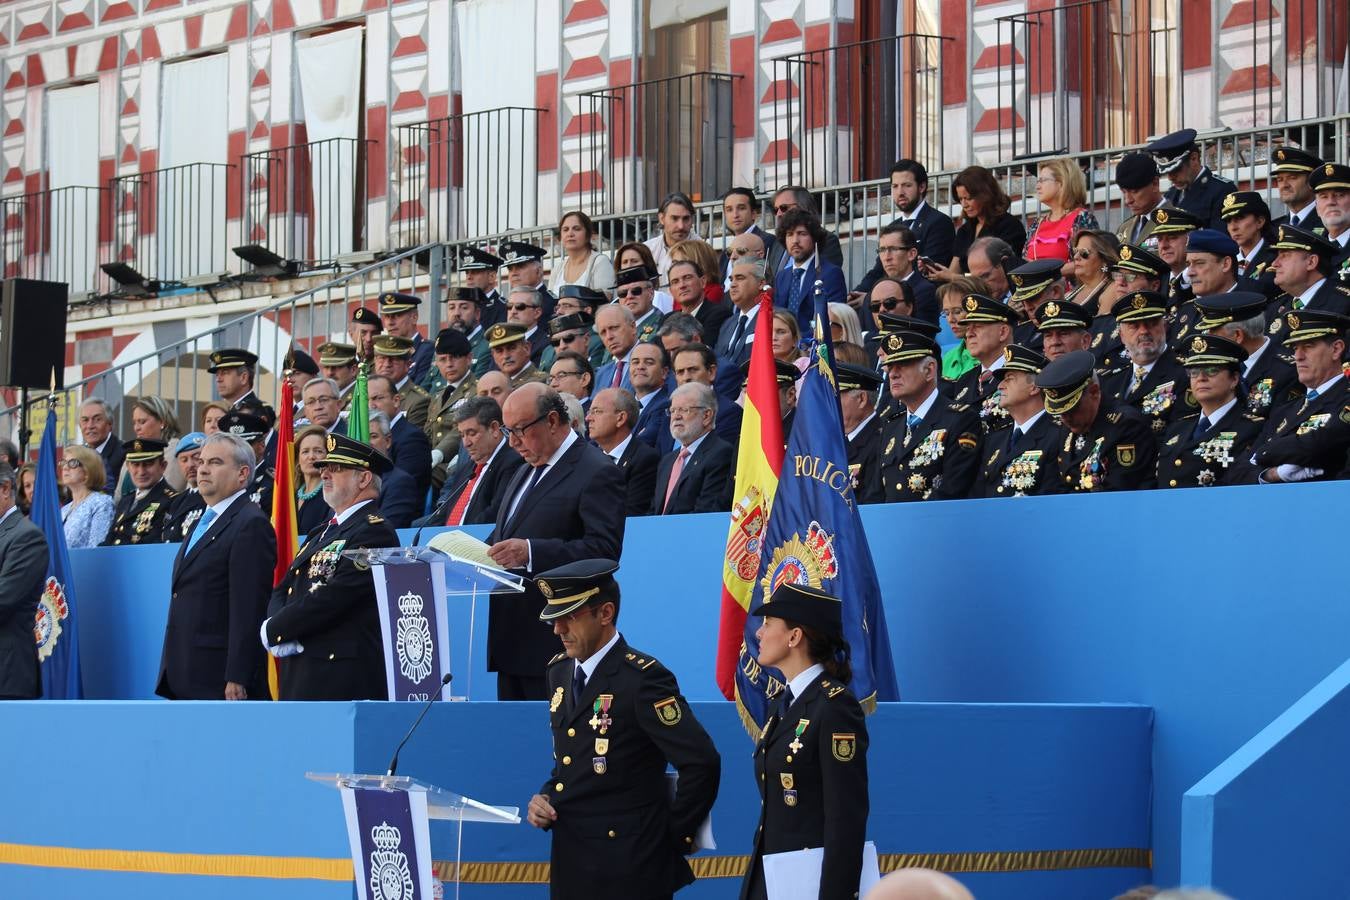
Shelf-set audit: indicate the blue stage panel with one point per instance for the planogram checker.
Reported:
(204, 779)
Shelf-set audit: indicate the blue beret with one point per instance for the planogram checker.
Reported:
(1207, 240)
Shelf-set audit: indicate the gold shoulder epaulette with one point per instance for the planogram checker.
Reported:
(1113, 417)
(559, 658)
(374, 519)
(639, 660)
(959, 407)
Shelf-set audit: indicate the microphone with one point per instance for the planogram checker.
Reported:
(393, 763)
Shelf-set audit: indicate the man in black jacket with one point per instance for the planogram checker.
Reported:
(558, 508)
(609, 422)
(697, 476)
(323, 620)
(474, 491)
(222, 577)
(616, 831)
(97, 431)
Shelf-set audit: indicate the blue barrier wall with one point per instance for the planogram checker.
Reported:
(197, 778)
(1193, 602)
(1280, 804)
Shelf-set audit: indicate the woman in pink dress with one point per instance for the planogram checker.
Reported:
(1059, 187)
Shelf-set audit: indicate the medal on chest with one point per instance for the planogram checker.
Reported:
(789, 794)
(1091, 471)
(796, 745)
(600, 719)
(1020, 475)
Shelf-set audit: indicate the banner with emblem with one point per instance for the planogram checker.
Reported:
(415, 625)
(58, 642)
(391, 843)
(815, 537)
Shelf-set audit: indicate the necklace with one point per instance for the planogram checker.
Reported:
(302, 495)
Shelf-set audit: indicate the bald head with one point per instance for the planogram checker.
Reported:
(919, 884)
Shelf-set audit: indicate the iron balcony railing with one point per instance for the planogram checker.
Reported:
(170, 224)
(639, 141)
(466, 174)
(307, 202)
(843, 114)
(176, 372)
(56, 235)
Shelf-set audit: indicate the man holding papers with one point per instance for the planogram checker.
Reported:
(811, 759)
(617, 718)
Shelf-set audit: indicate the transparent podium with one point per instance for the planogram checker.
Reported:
(388, 859)
(423, 650)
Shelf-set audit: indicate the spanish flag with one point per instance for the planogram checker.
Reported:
(759, 460)
(283, 503)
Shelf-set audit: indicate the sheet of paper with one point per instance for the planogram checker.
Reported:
(462, 545)
(795, 875)
(703, 839)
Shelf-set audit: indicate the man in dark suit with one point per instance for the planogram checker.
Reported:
(323, 619)
(96, 429)
(222, 577)
(401, 500)
(409, 449)
(560, 507)
(650, 370)
(737, 337)
(795, 285)
(697, 362)
(474, 492)
(687, 281)
(697, 477)
(609, 422)
(614, 835)
(741, 212)
(23, 567)
(933, 232)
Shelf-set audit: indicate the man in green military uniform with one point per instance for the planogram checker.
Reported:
(635, 288)
(453, 359)
(338, 362)
(1107, 446)
(393, 360)
(567, 331)
(464, 308)
(1137, 178)
(139, 517)
(1020, 462)
(511, 353)
(930, 447)
(617, 718)
(1209, 446)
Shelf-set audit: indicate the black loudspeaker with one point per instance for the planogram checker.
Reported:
(32, 333)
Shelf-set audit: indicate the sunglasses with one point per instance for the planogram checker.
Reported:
(1082, 254)
(517, 307)
(565, 339)
(888, 304)
(631, 292)
(786, 207)
(72, 464)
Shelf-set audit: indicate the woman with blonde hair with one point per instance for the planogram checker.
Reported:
(844, 324)
(211, 413)
(89, 514)
(1061, 188)
(153, 419)
(581, 264)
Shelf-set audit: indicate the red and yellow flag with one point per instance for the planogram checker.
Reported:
(283, 503)
(759, 460)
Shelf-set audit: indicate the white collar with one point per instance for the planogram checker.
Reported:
(617, 452)
(998, 364)
(926, 405)
(1026, 426)
(1256, 250)
(1251, 359)
(917, 210)
(1306, 211)
(1306, 296)
(1220, 412)
(1327, 385)
(529, 334)
(219, 508)
(810, 260)
(562, 448)
(350, 511)
(593, 661)
(861, 425)
(394, 421)
(98, 449)
(399, 386)
(495, 450)
(803, 681)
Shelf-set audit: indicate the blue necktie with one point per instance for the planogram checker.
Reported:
(1312, 395)
(578, 687)
(795, 296)
(1201, 427)
(202, 525)
(913, 420)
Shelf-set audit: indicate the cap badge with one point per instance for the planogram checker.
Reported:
(972, 304)
(496, 333)
(1162, 217)
(1329, 169)
(546, 590)
(1293, 323)
(1007, 354)
(1279, 154)
(1052, 309)
(1231, 200)
(1126, 253)
(1017, 280)
(332, 443)
(1138, 301)
(1198, 345)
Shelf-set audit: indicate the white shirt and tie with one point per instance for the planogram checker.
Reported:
(532, 481)
(209, 517)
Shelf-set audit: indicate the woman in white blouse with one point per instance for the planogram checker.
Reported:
(581, 264)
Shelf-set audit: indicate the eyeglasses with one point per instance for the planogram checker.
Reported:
(888, 304)
(318, 400)
(566, 338)
(72, 464)
(555, 375)
(631, 292)
(517, 307)
(686, 410)
(785, 207)
(508, 433)
(1206, 371)
(899, 248)
(1044, 178)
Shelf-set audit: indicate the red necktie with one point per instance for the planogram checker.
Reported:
(618, 373)
(456, 516)
(675, 471)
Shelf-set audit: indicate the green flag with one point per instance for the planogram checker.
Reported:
(358, 417)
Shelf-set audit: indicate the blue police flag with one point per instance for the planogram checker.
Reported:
(57, 640)
(815, 537)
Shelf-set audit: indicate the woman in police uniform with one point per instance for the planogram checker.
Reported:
(811, 759)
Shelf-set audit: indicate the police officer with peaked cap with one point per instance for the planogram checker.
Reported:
(1268, 376)
(1020, 461)
(1291, 169)
(618, 719)
(1208, 447)
(858, 386)
(1171, 231)
(1194, 187)
(1065, 327)
(479, 269)
(1335, 178)
(1242, 214)
(1034, 284)
(139, 517)
(1107, 446)
(985, 339)
(1151, 380)
(1304, 287)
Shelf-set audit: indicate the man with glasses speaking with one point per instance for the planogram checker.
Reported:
(559, 508)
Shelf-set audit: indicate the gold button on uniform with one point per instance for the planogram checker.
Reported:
(611, 833)
(557, 788)
(1172, 483)
(1176, 462)
(332, 656)
(571, 732)
(567, 760)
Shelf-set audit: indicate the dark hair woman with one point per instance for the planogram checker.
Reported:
(984, 213)
(811, 759)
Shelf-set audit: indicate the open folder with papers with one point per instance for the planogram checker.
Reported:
(795, 875)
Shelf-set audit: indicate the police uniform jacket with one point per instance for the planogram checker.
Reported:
(260, 489)
(1258, 270)
(1332, 296)
(1204, 197)
(813, 788)
(416, 403)
(184, 511)
(141, 521)
(984, 396)
(1119, 453)
(1186, 459)
(218, 595)
(938, 460)
(864, 462)
(326, 602)
(1105, 344)
(1163, 396)
(1025, 468)
(1272, 381)
(1312, 434)
(618, 834)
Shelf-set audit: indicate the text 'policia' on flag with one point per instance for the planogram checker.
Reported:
(815, 537)
(759, 458)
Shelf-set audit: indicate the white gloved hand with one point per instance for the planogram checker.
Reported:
(280, 651)
(1291, 473)
(437, 457)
